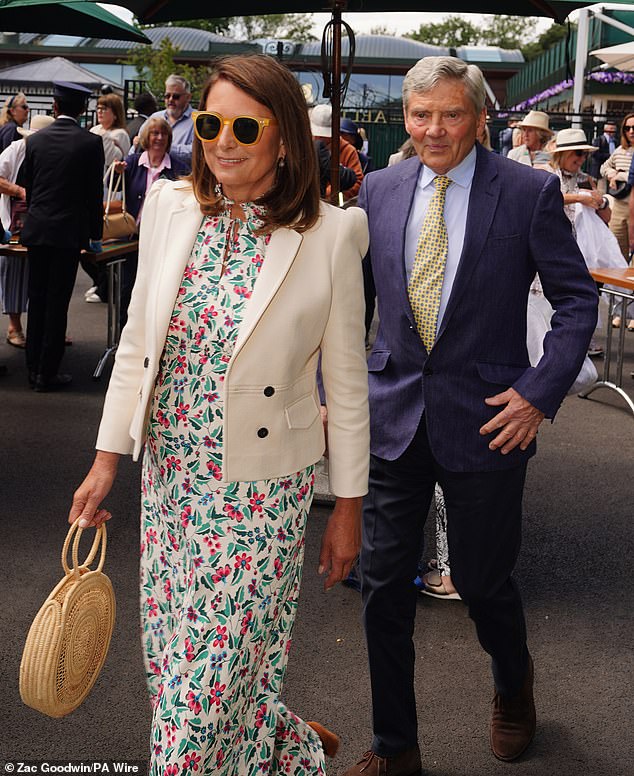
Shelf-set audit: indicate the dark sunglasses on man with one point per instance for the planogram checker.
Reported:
(247, 130)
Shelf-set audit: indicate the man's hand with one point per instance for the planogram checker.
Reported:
(341, 541)
(518, 422)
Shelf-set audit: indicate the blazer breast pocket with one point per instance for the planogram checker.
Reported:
(378, 360)
(302, 413)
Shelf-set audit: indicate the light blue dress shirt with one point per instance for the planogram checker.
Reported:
(456, 208)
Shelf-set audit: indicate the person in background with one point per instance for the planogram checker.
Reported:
(350, 131)
(535, 135)
(245, 279)
(178, 113)
(405, 151)
(321, 127)
(505, 138)
(347, 177)
(111, 128)
(605, 143)
(15, 112)
(63, 169)
(144, 105)
(14, 270)
(141, 171)
(616, 170)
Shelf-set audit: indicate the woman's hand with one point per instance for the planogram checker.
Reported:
(592, 199)
(341, 541)
(89, 495)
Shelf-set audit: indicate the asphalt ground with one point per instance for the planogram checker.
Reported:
(575, 572)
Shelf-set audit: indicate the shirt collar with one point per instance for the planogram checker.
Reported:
(166, 162)
(70, 118)
(462, 174)
(187, 114)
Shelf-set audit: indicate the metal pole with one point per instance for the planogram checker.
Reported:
(335, 101)
(581, 57)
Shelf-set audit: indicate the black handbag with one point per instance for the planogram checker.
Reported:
(620, 191)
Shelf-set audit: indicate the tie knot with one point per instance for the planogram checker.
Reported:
(442, 183)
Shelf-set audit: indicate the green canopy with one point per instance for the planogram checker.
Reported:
(66, 17)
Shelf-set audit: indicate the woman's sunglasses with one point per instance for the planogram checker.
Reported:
(247, 130)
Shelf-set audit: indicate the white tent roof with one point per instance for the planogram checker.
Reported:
(43, 71)
(620, 57)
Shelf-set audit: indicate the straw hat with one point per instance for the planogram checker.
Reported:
(39, 121)
(572, 140)
(537, 120)
(321, 121)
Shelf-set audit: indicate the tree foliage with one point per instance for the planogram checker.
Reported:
(550, 37)
(295, 26)
(508, 32)
(155, 64)
(451, 32)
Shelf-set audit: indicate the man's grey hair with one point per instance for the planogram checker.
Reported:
(430, 71)
(178, 79)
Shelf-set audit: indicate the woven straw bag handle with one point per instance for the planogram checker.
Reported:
(100, 538)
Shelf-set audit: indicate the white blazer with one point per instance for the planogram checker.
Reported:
(307, 301)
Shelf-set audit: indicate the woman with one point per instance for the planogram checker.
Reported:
(14, 114)
(535, 135)
(140, 171)
(249, 280)
(14, 270)
(116, 145)
(112, 128)
(616, 169)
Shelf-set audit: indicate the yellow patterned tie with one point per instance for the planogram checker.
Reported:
(428, 270)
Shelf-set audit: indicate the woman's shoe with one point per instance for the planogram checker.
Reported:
(329, 740)
(433, 586)
(16, 338)
(630, 325)
(616, 322)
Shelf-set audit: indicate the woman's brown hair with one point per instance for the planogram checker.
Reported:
(115, 103)
(294, 198)
(625, 141)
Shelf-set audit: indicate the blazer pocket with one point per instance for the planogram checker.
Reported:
(500, 374)
(303, 412)
(378, 360)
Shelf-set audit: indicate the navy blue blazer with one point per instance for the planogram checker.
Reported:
(515, 227)
(136, 179)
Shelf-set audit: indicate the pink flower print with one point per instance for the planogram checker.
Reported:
(162, 419)
(285, 484)
(190, 272)
(182, 363)
(208, 441)
(193, 702)
(220, 757)
(170, 737)
(221, 637)
(242, 291)
(210, 398)
(234, 514)
(207, 313)
(260, 715)
(192, 760)
(181, 411)
(192, 614)
(186, 515)
(281, 535)
(253, 587)
(167, 588)
(256, 502)
(243, 561)
(199, 336)
(152, 607)
(229, 322)
(189, 650)
(187, 485)
(173, 463)
(221, 574)
(172, 770)
(302, 492)
(264, 681)
(246, 622)
(150, 536)
(216, 692)
(155, 668)
(215, 470)
(277, 565)
(257, 260)
(172, 540)
(288, 646)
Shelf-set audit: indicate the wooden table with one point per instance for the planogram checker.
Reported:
(621, 296)
(113, 255)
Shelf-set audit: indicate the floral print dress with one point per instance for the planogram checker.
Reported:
(220, 563)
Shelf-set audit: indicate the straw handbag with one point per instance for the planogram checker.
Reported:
(69, 638)
(118, 224)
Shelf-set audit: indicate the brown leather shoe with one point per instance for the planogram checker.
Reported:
(513, 720)
(329, 740)
(404, 764)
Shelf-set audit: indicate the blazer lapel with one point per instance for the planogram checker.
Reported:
(483, 201)
(280, 254)
(404, 190)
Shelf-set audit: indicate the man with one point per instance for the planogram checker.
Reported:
(63, 170)
(321, 127)
(456, 237)
(144, 105)
(178, 112)
(605, 143)
(505, 138)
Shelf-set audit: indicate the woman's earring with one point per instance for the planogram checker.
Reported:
(281, 162)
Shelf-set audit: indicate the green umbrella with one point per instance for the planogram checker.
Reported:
(66, 17)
